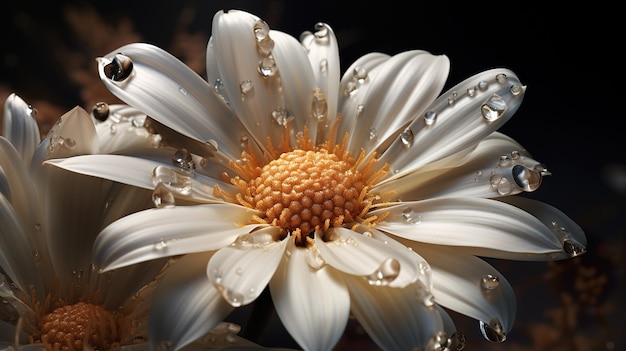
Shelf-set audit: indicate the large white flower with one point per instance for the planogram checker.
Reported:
(371, 194)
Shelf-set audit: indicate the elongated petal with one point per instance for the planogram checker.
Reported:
(20, 127)
(241, 271)
(385, 98)
(126, 134)
(395, 318)
(186, 305)
(164, 232)
(381, 260)
(463, 116)
(250, 76)
(481, 223)
(165, 89)
(313, 304)
(469, 285)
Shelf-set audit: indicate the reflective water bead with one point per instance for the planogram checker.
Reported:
(386, 273)
(410, 216)
(162, 197)
(69, 143)
(359, 109)
(324, 67)
(119, 69)
(279, 116)
(482, 85)
(160, 245)
(493, 331)
(573, 248)
(235, 299)
(430, 117)
(425, 296)
(174, 180)
(261, 30)
(100, 111)
(213, 144)
(265, 46)
(504, 161)
(452, 99)
(183, 91)
(516, 90)
(319, 105)
(32, 111)
(372, 133)
(527, 179)
(501, 78)
(471, 91)
(489, 282)
(321, 30)
(183, 159)
(493, 108)
(406, 137)
(314, 259)
(350, 89)
(267, 67)
(504, 186)
(359, 74)
(440, 342)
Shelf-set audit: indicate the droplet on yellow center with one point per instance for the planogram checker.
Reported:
(305, 189)
(71, 326)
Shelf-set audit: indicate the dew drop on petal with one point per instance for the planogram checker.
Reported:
(430, 117)
(516, 90)
(321, 30)
(493, 331)
(350, 89)
(482, 85)
(314, 259)
(372, 133)
(407, 137)
(175, 181)
(441, 342)
(267, 67)
(235, 299)
(319, 105)
(489, 282)
(410, 216)
(359, 74)
(69, 143)
(501, 78)
(160, 245)
(261, 30)
(471, 91)
(359, 109)
(100, 111)
(504, 186)
(245, 86)
(183, 159)
(323, 67)
(386, 273)
(573, 248)
(493, 108)
(425, 296)
(119, 69)
(162, 197)
(525, 178)
(279, 116)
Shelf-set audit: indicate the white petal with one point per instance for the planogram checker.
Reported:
(458, 285)
(164, 88)
(481, 223)
(114, 136)
(376, 257)
(313, 304)
(238, 62)
(164, 232)
(186, 305)
(20, 127)
(394, 93)
(241, 271)
(459, 124)
(139, 171)
(395, 318)
(323, 51)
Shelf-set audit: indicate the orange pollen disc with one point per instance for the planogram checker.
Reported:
(80, 326)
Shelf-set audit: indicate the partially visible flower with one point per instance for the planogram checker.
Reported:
(53, 296)
(372, 195)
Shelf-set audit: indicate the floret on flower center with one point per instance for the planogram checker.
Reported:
(307, 188)
(80, 326)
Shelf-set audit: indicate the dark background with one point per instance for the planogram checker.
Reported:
(570, 118)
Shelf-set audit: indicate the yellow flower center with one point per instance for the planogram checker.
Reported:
(307, 188)
(80, 326)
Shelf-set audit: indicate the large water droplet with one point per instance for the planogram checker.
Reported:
(253, 240)
(493, 108)
(493, 331)
(359, 74)
(100, 111)
(501, 78)
(175, 181)
(386, 273)
(321, 30)
(183, 159)
(162, 196)
(489, 282)
(279, 115)
(261, 30)
(319, 106)
(119, 68)
(267, 67)
(245, 86)
(234, 298)
(430, 117)
(525, 178)
(407, 137)
(410, 216)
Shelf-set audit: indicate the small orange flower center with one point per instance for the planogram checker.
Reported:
(78, 326)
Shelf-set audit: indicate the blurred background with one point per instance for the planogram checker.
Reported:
(569, 119)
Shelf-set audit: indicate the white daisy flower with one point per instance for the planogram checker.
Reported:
(370, 194)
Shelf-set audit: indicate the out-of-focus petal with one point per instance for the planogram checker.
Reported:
(164, 88)
(457, 120)
(395, 318)
(315, 316)
(164, 232)
(242, 270)
(20, 127)
(186, 305)
(468, 222)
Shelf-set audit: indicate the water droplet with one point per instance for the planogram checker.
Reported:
(493, 331)
(541, 168)
(279, 116)
(471, 91)
(573, 248)
(174, 180)
(525, 178)
(359, 109)
(319, 106)
(410, 216)
(407, 137)
(516, 90)
(425, 296)
(32, 111)
(69, 143)
(350, 89)
(249, 240)
(430, 117)
(505, 161)
(452, 99)
(183, 159)
(504, 186)
(359, 74)
(489, 282)
(440, 342)
(113, 129)
(119, 69)
(321, 30)
(267, 67)
(100, 111)
(493, 108)
(386, 273)
(314, 259)
(245, 86)
(36, 255)
(324, 67)
(160, 245)
(219, 87)
(183, 91)
(372, 133)
(482, 85)
(501, 78)
(265, 46)
(162, 197)
(243, 141)
(233, 298)
(261, 30)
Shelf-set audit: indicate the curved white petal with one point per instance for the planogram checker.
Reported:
(492, 169)
(115, 136)
(255, 97)
(20, 127)
(164, 88)
(395, 318)
(384, 98)
(481, 223)
(242, 270)
(139, 171)
(469, 285)
(164, 232)
(465, 114)
(374, 256)
(186, 305)
(313, 304)
(323, 51)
